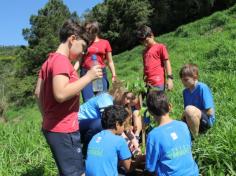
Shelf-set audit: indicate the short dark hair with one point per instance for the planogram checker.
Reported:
(157, 103)
(112, 115)
(73, 27)
(190, 70)
(143, 32)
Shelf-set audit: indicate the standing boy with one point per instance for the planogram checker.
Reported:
(57, 93)
(199, 111)
(168, 148)
(155, 60)
(108, 147)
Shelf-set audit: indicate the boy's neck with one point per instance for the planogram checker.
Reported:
(151, 42)
(193, 87)
(96, 39)
(113, 131)
(165, 119)
(63, 49)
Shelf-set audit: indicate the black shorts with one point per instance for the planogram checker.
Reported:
(204, 123)
(67, 152)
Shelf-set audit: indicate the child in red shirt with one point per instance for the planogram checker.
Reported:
(155, 60)
(102, 49)
(57, 94)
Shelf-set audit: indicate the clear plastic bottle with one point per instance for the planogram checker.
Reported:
(97, 83)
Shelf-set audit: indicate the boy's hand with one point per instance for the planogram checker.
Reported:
(169, 84)
(113, 79)
(95, 72)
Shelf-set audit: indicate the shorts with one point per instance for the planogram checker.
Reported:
(67, 152)
(204, 123)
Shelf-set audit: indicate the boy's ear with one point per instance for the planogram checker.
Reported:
(71, 38)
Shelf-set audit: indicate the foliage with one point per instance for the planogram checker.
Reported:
(42, 38)
(119, 19)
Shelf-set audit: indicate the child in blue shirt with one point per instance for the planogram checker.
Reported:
(199, 111)
(168, 148)
(108, 147)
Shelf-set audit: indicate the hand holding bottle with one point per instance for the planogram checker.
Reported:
(95, 72)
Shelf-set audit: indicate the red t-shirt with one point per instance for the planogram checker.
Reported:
(58, 117)
(153, 61)
(100, 48)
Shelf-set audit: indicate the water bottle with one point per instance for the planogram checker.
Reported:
(97, 83)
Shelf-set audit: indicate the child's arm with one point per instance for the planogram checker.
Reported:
(76, 66)
(111, 65)
(126, 164)
(64, 90)
(38, 94)
(168, 70)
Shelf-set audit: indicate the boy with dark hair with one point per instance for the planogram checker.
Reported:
(108, 147)
(199, 111)
(57, 94)
(168, 148)
(155, 60)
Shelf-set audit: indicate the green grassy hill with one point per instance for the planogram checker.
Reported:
(7, 52)
(209, 42)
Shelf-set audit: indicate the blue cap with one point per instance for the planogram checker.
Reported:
(94, 57)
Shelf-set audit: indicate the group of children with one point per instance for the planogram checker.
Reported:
(108, 124)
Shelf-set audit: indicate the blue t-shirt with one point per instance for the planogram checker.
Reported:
(168, 150)
(92, 108)
(104, 151)
(200, 97)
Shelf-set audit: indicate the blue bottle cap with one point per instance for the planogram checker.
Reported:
(94, 57)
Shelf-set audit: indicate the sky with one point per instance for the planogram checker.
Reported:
(15, 16)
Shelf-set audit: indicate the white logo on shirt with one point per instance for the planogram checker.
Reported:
(98, 139)
(174, 136)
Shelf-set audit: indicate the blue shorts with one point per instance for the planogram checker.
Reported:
(67, 152)
(205, 122)
(87, 91)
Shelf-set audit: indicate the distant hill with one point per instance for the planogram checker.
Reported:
(8, 52)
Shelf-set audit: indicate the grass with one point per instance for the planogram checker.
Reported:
(209, 42)
(23, 148)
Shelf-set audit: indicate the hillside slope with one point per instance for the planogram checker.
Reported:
(210, 43)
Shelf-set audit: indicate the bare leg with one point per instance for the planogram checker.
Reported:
(192, 116)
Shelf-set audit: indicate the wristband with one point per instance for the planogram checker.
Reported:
(170, 76)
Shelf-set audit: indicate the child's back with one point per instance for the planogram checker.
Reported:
(170, 146)
(104, 151)
(107, 147)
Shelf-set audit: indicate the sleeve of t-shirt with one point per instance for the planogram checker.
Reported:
(104, 100)
(152, 152)
(123, 150)
(108, 46)
(61, 65)
(207, 98)
(164, 53)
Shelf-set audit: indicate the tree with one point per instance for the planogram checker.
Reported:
(119, 20)
(170, 14)
(42, 38)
